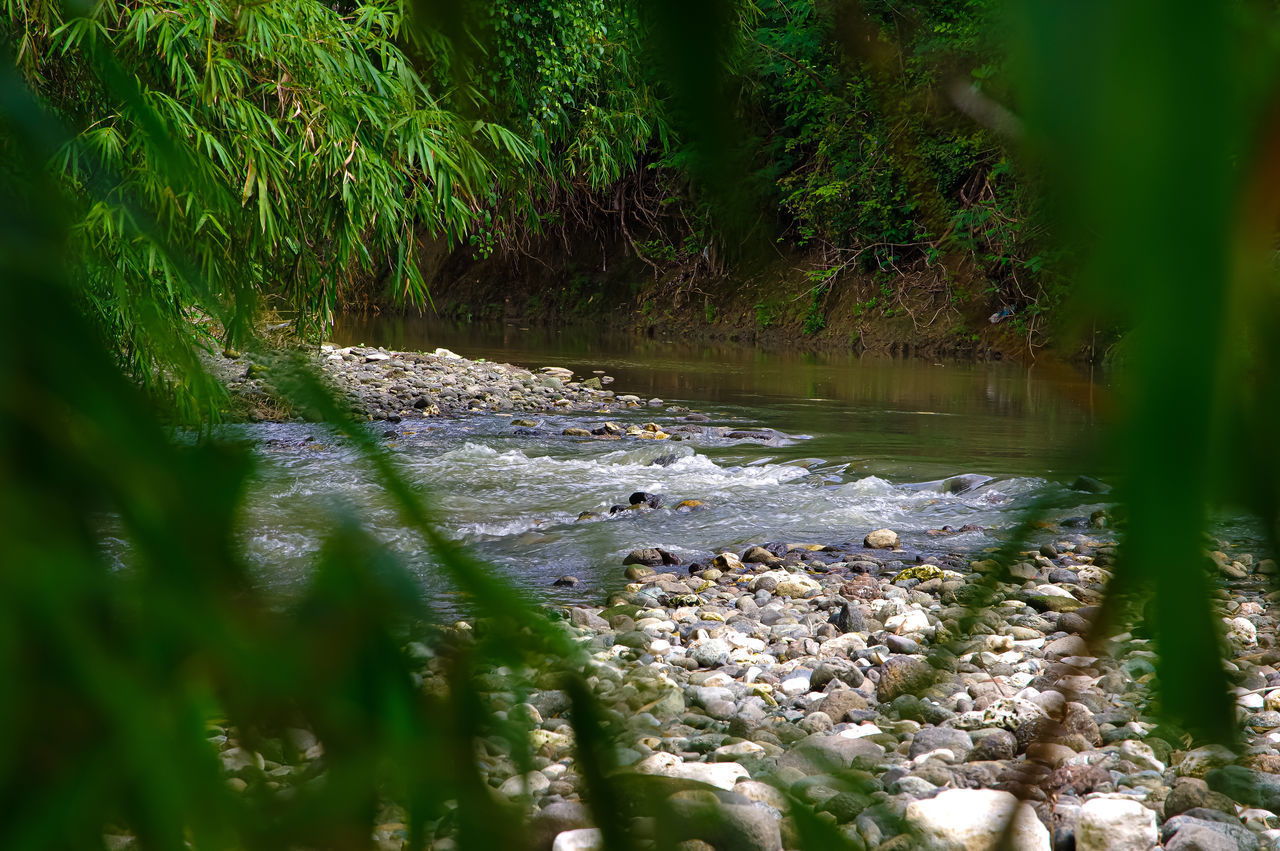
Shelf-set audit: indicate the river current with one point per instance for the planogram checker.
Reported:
(853, 446)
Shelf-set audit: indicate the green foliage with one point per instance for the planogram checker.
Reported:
(284, 147)
(816, 318)
(766, 313)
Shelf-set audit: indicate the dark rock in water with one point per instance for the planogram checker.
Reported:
(697, 418)
(652, 500)
(618, 509)
(648, 556)
(670, 558)
(964, 483)
(528, 432)
(1088, 484)
(566, 581)
(390, 435)
(749, 435)
(664, 460)
(849, 619)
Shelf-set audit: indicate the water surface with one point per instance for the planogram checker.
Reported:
(851, 441)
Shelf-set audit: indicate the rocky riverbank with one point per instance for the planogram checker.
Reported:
(844, 682)
(896, 699)
(393, 386)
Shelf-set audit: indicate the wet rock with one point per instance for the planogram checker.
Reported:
(652, 500)
(881, 539)
(727, 562)
(648, 556)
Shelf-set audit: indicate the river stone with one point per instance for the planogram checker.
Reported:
(1196, 837)
(1115, 824)
(993, 744)
(554, 819)
(1200, 761)
(975, 820)
(1225, 826)
(1246, 786)
(582, 839)
(849, 618)
(726, 561)
(903, 675)
(861, 587)
(881, 539)
(722, 775)
(839, 703)
(514, 787)
(587, 619)
(796, 587)
(933, 738)
(820, 754)
(648, 556)
(759, 555)
(708, 823)
(1191, 793)
(710, 652)
(835, 669)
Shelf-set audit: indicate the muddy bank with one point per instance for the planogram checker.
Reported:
(775, 301)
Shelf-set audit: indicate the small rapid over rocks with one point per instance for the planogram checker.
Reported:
(533, 469)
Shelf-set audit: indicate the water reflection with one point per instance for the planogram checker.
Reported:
(906, 419)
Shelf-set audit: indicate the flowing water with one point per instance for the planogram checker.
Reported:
(855, 443)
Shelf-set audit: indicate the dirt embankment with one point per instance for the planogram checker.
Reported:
(775, 299)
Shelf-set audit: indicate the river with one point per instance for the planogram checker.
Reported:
(855, 438)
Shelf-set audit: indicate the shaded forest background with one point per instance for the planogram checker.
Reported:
(852, 162)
